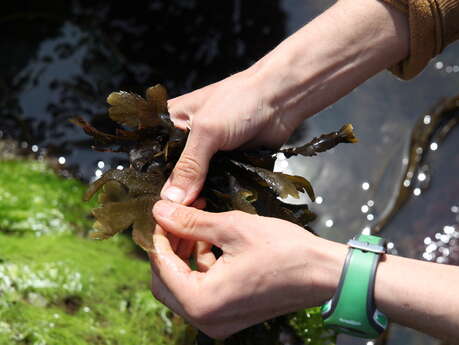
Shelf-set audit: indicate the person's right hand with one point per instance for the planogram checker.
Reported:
(222, 116)
(269, 267)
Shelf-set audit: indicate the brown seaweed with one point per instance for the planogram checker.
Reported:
(281, 184)
(237, 180)
(429, 129)
(324, 142)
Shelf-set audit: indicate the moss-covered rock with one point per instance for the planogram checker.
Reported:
(69, 290)
(33, 199)
(56, 286)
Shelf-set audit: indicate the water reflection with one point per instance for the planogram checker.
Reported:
(86, 49)
(444, 247)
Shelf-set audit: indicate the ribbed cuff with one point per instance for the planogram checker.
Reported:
(434, 24)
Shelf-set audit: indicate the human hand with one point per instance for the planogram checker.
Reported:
(269, 267)
(221, 116)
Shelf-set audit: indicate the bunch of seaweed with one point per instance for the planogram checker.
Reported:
(237, 180)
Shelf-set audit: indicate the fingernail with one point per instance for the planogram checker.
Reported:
(174, 194)
(164, 209)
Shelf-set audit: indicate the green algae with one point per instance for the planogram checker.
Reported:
(69, 290)
(58, 287)
(34, 199)
(309, 326)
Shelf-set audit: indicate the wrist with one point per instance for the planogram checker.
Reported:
(330, 56)
(327, 259)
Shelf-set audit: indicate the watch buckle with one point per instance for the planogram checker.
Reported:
(366, 247)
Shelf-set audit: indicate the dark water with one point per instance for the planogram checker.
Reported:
(61, 59)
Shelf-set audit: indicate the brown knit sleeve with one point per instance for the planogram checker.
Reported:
(434, 24)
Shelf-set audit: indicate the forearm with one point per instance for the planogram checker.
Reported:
(327, 58)
(413, 293)
(420, 295)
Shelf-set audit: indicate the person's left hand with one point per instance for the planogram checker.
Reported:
(269, 267)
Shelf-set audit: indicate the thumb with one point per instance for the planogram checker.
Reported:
(187, 178)
(193, 224)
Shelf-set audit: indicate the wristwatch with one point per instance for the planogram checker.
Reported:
(352, 309)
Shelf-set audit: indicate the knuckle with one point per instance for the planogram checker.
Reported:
(233, 220)
(204, 126)
(202, 318)
(188, 168)
(209, 129)
(189, 219)
(200, 312)
(195, 312)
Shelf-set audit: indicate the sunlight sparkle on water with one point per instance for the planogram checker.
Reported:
(364, 208)
(433, 146)
(98, 173)
(445, 238)
(448, 229)
(34, 148)
(439, 65)
(100, 164)
(431, 247)
(119, 167)
(422, 176)
(365, 186)
(427, 256)
(417, 191)
(370, 217)
(370, 203)
(319, 200)
(329, 223)
(61, 160)
(427, 119)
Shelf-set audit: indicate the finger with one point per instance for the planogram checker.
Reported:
(174, 241)
(181, 124)
(204, 256)
(184, 248)
(164, 295)
(170, 269)
(192, 224)
(188, 176)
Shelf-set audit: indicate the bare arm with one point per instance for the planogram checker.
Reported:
(326, 59)
(270, 267)
(420, 295)
(333, 54)
(414, 293)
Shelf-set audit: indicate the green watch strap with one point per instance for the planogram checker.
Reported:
(352, 309)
